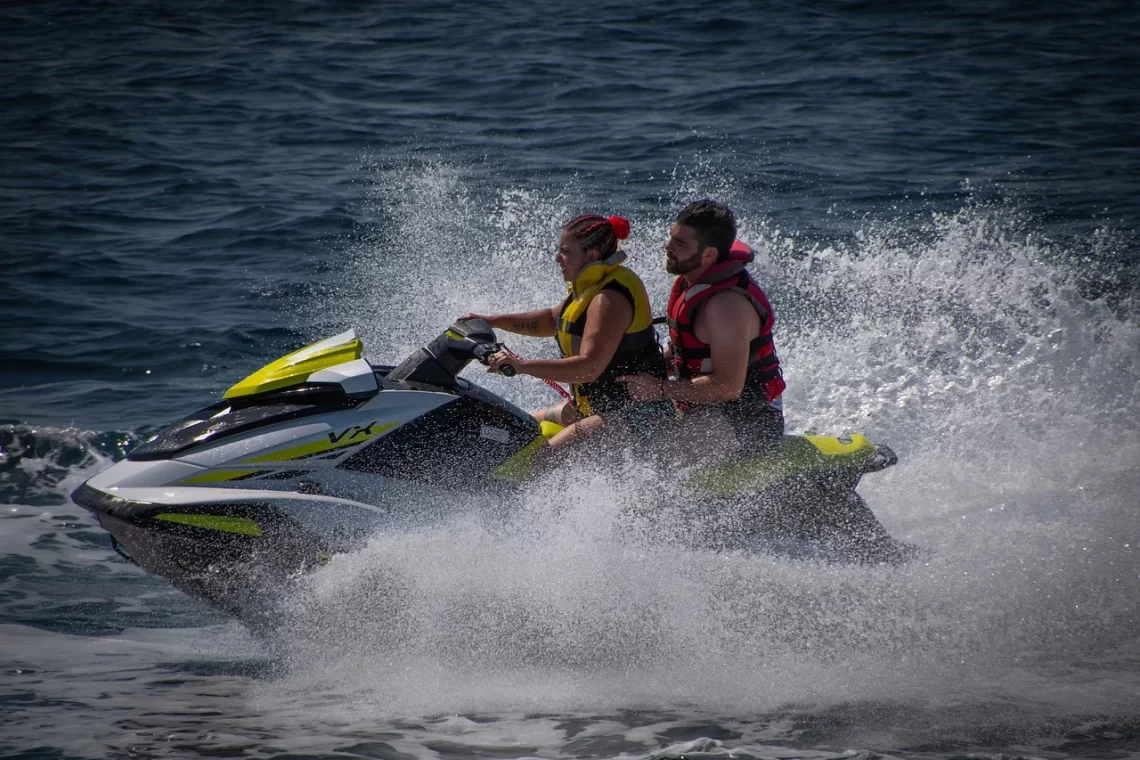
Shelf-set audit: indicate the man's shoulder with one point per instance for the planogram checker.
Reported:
(725, 316)
(727, 304)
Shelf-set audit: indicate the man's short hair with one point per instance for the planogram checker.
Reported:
(712, 223)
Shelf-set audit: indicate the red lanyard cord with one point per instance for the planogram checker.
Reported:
(561, 391)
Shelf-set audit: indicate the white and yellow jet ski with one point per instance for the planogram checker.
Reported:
(318, 450)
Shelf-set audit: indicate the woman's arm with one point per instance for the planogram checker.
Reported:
(541, 323)
(608, 316)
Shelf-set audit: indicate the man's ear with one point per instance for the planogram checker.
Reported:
(709, 255)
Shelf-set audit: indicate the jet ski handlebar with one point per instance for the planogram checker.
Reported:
(508, 371)
(483, 353)
(440, 362)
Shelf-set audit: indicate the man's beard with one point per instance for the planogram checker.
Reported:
(682, 266)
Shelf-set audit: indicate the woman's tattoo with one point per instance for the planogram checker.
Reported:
(525, 327)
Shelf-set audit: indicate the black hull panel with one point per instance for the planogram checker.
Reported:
(240, 574)
(814, 520)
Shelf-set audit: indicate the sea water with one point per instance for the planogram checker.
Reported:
(944, 203)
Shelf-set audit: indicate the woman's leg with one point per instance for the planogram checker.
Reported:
(582, 427)
(562, 444)
(564, 414)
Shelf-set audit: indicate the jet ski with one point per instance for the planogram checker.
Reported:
(316, 451)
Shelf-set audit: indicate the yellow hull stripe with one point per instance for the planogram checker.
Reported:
(318, 447)
(216, 476)
(520, 465)
(240, 525)
(285, 455)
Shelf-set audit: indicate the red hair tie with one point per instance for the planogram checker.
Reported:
(621, 227)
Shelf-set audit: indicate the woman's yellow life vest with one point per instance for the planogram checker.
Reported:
(638, 352)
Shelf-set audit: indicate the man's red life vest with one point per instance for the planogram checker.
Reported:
(691, 356)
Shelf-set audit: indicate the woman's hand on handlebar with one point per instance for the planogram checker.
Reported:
(504, 364)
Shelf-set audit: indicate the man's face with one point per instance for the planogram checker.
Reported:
(682, 250)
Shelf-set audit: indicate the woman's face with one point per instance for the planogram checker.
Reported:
(572, 258)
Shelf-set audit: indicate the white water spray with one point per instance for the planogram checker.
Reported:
(960, 341)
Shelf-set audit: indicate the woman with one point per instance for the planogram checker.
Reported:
(604, 328)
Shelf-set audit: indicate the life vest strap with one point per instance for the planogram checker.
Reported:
(572, 328)
(631, 343)
(769, 373)
(759, 342)
(705, 352)
(637, 341)
(717, 273)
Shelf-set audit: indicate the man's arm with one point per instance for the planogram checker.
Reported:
(728, 323)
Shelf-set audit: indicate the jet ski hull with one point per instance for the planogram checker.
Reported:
(320, 450)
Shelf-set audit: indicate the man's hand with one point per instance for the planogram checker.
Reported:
(643, 388)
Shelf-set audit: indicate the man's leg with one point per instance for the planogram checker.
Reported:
(706, 437)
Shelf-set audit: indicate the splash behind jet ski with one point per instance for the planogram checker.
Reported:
(316, 451)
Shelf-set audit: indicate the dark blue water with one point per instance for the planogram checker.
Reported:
(946, 197)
